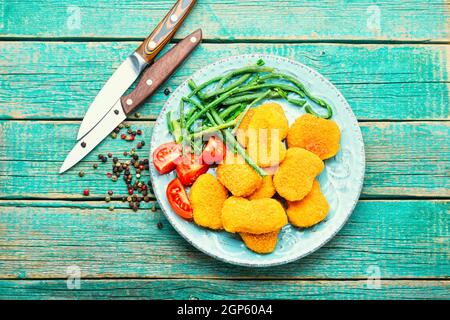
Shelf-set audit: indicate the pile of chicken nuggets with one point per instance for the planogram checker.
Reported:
(239, 200)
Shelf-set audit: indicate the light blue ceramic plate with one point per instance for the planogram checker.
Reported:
(341, 181)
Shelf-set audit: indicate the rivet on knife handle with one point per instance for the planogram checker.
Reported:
(165, 30)
(158, 73)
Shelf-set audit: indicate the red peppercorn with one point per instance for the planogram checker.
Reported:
(131, 137)
(139, 132)
(141, 167)
(130, 191)
(123, 136)
(109, 174)
(86, 192)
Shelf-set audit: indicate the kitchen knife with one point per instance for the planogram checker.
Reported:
(132, 67)
(151, 80)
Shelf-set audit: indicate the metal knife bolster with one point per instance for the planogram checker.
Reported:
(160, 71)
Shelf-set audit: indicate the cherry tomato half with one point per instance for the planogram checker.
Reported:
(190, 168)
(165, 157)
(178, 199)
(214, 151)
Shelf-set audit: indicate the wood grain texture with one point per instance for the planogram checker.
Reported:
(415, 20)
(40, 239)
(219, 289)
(381, 82)
(31, 153)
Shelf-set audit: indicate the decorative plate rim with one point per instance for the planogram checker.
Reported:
(355, 128)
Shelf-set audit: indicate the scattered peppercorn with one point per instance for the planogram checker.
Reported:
(114, 135)
(137, 115)
(86, 192)
(110, 155)
(139, 145)
(104, 159)
(81, 173)
(110, 192)
(114, 178)
(139, 132)
(154, 207)
(95, 166)
(123, 136)
(160, 225)
(108, 199)
(111, 208)
(166, 91)
(83, 144)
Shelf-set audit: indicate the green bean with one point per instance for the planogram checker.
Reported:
(248, 97)
(201, 86)
(329, 114)
(230, 138)
(210, 106)
(235, 84)
(270, 86)
(236, 113)
(248, 69)
(224, 113)
(214, 129)
(169, 122)
(259, 98)
(199, 107)
(300, 103)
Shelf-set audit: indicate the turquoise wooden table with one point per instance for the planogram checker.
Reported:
(391, 60)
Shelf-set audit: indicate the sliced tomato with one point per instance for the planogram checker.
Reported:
(190, 168)
(178, 199)
(214, 151)
(166, 156)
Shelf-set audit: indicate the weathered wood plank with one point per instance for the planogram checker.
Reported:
(38, 239)
(60, 80)
(403, 159)
(222, 289)
(233, 19)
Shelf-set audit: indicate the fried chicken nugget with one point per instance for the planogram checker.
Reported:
(253, 216)
(320, 136)
(268, 116)
(295, 177)
(241, 133)
(238, 177)
(266, 190)
(260, 243)
(265, 151)
(207, 196)
(309, 211)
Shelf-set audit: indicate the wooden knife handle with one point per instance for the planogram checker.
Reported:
(165, 30)
(160, 71)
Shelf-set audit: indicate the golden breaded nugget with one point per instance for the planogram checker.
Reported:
(320, 136)
(309, 211)
(295, 177)
(260, 243)
(253, 216)
(270, 116)
(267, 190)
(238, 177)
(241, 133)
(207, 196)
(266, 151)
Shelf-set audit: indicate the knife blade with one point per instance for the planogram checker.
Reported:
(150, 81)
(133, 66)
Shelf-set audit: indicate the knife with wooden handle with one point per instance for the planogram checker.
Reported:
(150, 81)
(133, 66)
